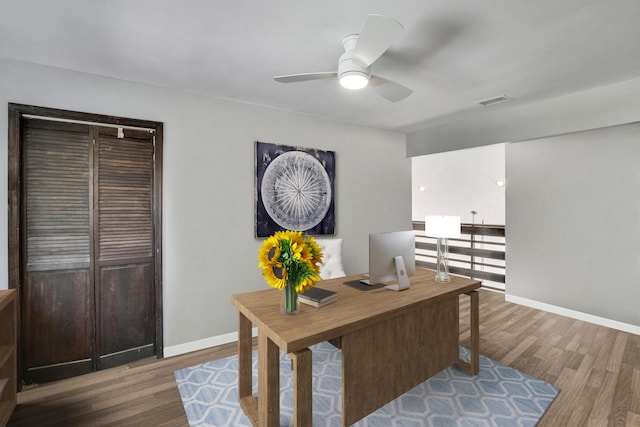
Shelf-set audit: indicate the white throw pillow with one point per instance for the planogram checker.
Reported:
(331, 257)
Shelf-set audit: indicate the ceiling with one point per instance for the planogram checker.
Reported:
(451, 53)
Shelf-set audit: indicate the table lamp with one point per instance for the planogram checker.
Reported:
(443, 228)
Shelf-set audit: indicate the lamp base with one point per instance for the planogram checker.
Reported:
(443, 278)
(442, 275)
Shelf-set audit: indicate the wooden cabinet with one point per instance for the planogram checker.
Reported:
(8, 345)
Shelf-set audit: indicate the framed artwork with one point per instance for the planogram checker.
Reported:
(294, 189)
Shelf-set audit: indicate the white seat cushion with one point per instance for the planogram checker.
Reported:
(331, 257)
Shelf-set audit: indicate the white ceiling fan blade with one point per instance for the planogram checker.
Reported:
(388, 89)
(293, 78)
(377, 34)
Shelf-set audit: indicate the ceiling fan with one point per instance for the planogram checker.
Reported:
(360, 52)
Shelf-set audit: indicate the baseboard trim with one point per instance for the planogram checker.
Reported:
(176, 350)
(602, 321)
(202, 344)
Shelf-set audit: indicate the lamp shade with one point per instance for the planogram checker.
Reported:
(442, 226)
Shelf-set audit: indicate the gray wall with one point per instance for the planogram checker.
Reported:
(570, 199)
(573, 222)
(209, 247)
(512, 121)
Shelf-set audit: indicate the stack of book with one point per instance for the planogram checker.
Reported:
(317, 297)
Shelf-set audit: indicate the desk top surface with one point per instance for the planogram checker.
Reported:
(353, 310)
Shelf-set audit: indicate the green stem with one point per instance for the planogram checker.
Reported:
(290, 297)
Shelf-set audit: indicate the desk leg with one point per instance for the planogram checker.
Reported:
(244, 356)
(248, 403)
(268, 382)
(473, 367)
(302, 401)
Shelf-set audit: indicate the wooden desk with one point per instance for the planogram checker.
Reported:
(391, 342)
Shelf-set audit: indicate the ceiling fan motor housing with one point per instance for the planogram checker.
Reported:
(348, 68)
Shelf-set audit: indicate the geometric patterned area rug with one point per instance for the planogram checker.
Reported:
(498, 396)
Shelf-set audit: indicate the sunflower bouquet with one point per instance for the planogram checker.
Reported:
(291, 263)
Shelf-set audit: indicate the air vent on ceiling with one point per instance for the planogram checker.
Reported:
(495, 100)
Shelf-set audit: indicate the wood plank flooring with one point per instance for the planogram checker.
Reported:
(598, 370)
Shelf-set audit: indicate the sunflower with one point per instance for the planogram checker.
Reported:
(306, 255)
(316, 253)
(275, 276)
(306, 283)
(297, 243)
(269, 253)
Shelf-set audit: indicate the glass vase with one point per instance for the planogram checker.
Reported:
(289, 303)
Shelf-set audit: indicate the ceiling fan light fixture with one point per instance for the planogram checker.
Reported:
(354, 80)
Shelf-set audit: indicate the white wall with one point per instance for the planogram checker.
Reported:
(573, 222)
(209, 247)
(458, 182)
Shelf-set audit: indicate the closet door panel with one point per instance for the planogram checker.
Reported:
(126, 301)
(57, 309)
(58, 190)
(124, 246)
(58, 319)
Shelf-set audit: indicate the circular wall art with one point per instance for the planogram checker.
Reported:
(296, 191)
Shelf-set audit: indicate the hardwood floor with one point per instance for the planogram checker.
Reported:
(598, 370)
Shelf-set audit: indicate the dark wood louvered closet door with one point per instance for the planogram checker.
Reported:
(58, 278)
(124, 247)
(88, 286)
